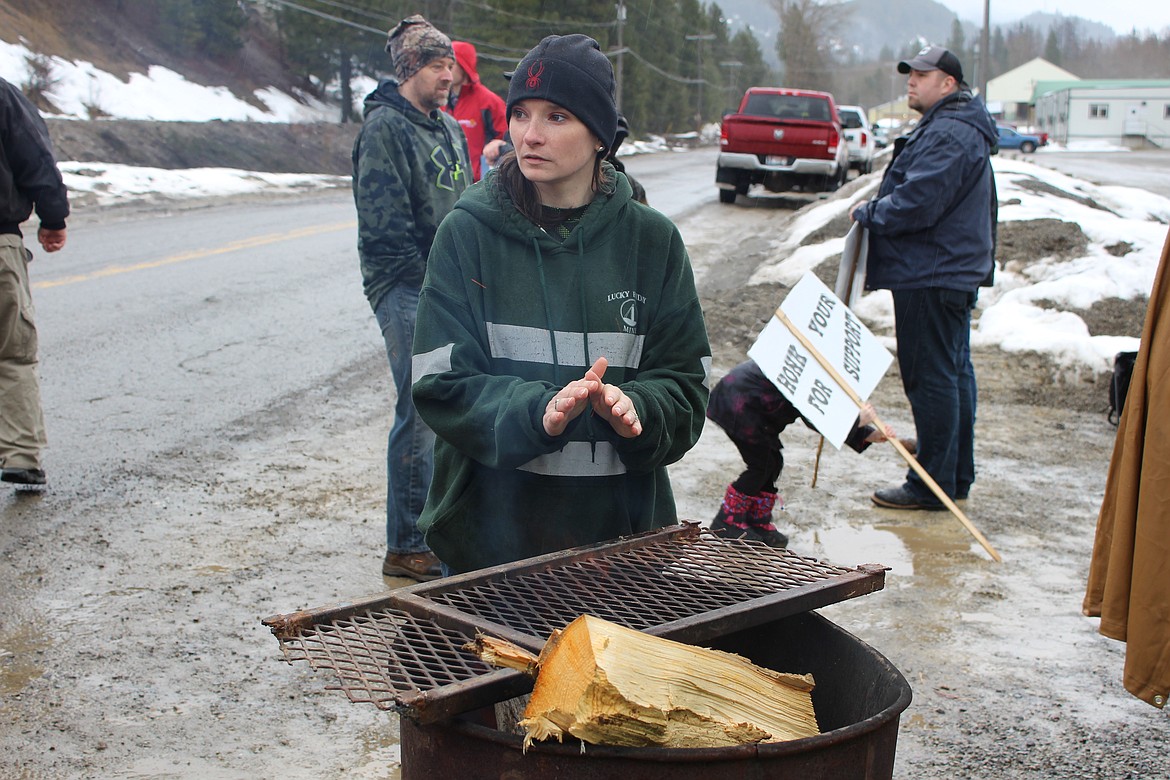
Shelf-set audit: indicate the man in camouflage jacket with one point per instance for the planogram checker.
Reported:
(410, 164)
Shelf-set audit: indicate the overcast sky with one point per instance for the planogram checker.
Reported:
(1121, 15)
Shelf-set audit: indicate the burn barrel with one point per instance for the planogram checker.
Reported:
(859, 698)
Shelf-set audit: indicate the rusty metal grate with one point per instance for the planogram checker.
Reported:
(384, 654)
(642, 589)
(404, 650)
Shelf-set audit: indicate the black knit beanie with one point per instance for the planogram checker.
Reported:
(571, 71)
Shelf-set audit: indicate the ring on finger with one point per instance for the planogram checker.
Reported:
(556, 404)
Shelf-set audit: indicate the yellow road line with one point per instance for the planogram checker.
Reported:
(234, 246)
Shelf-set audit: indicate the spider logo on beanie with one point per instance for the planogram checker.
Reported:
(534, 76)
(572, 72)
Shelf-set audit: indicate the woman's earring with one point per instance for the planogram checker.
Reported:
(600, 149)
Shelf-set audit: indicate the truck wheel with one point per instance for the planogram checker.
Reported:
(868, 169)
(1027, 147)
(727, 196)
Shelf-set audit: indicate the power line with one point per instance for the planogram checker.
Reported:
(367, 12)
(513, 55)
(543, 22)
(276, 4)
(660, 71)
(353, 9)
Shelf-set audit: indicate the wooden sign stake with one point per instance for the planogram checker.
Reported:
(881, 426)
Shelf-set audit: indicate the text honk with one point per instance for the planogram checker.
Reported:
(829, 327)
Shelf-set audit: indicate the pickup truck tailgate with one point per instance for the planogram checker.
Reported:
(789, 137)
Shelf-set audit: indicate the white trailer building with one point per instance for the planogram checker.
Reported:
(1126, 112)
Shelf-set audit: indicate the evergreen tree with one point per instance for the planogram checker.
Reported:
(957, 43)
(1022, 44)
(327, 44)
(211, 28)
(999, 55)
(659, 93)
(1052, 48)
(752, 70)
(804, 42)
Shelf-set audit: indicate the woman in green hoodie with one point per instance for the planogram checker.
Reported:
(560, 354)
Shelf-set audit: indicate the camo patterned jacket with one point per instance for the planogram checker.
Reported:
(408, 171)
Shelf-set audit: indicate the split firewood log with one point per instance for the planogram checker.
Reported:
(610, 685)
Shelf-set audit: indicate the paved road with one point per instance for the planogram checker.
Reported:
(676, 182)
(1145, 170)
(156, 326)
(161, 326)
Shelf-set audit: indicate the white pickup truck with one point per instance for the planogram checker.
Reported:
(858, 136)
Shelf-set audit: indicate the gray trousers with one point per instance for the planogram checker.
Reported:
(22, 423)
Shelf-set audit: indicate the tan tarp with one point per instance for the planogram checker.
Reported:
(1129, 577)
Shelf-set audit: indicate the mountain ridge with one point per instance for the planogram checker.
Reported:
(869, 25)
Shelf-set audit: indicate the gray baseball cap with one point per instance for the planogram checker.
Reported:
(934, 58)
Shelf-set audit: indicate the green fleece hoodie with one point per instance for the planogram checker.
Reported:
(508, 315)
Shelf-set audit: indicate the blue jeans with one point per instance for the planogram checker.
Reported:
(410, 454)
(933, 328)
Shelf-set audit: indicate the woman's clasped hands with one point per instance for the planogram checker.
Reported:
(608, 402)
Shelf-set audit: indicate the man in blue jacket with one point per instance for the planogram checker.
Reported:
(29, 180)
(931, 243)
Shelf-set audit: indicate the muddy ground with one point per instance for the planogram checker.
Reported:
(146, 657)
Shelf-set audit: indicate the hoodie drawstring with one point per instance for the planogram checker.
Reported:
(548, 320)
(585, 334)
(552, 334)
(581, 290)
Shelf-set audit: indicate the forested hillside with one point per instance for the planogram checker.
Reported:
(322, 45)
(679, 62)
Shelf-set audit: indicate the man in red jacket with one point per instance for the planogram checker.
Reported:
(479, 111)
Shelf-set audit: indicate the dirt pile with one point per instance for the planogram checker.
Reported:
(736, 312)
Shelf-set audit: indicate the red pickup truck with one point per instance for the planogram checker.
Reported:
(784, 139)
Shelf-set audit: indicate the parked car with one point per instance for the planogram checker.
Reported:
(859, 136)
(1043, 136)
(1010, 138)
(784, 139)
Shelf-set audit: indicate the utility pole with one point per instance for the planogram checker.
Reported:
(698, 38)
(621, 22)
(985, 50)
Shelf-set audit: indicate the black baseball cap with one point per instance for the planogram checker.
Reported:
(934, 58)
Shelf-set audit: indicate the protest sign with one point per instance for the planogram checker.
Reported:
(827, 363)
(826, 325)
(854, 259)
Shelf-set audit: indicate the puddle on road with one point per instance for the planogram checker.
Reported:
(21, 649)
(907, 550)
(382, 756)
(210, 570)
(853, 546)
